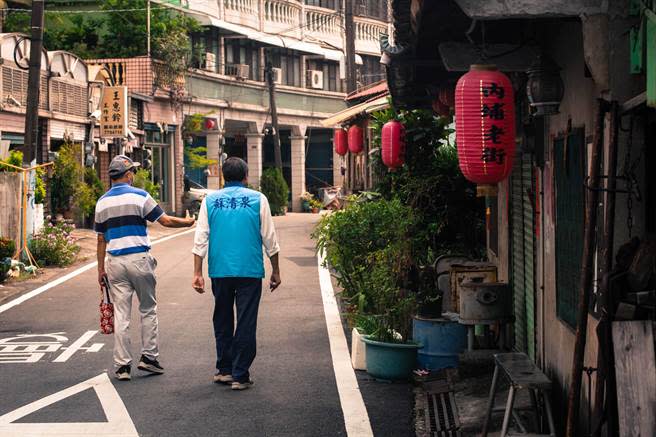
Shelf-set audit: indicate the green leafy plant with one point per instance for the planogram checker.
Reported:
(7, 248)
(274, 187)
(449, 218)
(143, 180)
(54, 245)
(366, 244)
(39, 186)
(66, 178)
(15, 159)
(315, 204)
(196, 157)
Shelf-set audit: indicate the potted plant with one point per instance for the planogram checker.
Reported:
(391, 354)
(315, 206)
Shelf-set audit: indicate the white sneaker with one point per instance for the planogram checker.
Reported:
(242, 385)
(223, 379)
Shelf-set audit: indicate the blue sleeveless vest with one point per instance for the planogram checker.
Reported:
(235, 240)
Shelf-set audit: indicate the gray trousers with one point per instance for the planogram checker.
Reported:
(130, 274)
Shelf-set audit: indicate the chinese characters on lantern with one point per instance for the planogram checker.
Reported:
(493, 135)
(113, 112)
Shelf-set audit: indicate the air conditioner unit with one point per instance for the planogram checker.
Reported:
(210, 61)
(243, 71)
(277, 75)
(315, 78)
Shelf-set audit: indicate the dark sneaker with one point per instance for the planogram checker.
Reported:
(148, 365)
(223, 379)
(236, 385)
(123, 373)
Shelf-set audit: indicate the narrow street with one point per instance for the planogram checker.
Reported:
(295, 391)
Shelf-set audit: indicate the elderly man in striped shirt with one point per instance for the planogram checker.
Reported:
(121, 220)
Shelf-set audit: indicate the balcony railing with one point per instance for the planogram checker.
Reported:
(296, 19)
(283, 17)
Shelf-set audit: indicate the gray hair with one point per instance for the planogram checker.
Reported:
(235, 169)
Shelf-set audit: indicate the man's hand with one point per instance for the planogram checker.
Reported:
(274, 282)
(199, 284)
(101, 275)
(176, 222)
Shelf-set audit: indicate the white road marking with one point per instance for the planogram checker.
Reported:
(356, 418)
(118, 422)
(71, 275)
(79, 345)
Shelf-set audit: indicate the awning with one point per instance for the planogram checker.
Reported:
(367, 107)
(263, 37)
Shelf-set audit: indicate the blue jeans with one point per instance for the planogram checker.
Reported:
(235, 349)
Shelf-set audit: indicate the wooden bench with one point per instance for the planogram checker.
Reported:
(522, 373)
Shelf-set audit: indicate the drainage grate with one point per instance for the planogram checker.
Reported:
(441, 414)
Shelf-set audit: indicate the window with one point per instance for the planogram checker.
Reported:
(330, 70)
(372, 8)
(329, 4)
(159, 143)
(370, 71)
(290, 64)
(569, 175)
(241, 51)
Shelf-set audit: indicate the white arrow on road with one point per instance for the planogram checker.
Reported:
(118, 422)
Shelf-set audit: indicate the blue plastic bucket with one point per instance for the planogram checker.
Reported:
(390, 361)
(443, 340)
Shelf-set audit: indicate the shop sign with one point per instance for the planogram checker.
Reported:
(114, 112)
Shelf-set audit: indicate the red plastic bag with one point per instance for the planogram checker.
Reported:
(106, 310)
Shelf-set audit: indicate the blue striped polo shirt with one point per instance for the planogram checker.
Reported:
(121, 215)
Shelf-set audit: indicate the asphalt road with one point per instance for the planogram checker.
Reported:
(295, 391)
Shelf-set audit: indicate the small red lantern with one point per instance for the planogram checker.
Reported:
(393, 144)
(355, 139)
(485, 125)
(340, 141)
(447, 96)
(210, 124)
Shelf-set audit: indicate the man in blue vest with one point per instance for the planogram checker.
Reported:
(233, 225)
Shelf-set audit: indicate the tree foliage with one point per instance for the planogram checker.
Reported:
(111, 34)
(274, 187)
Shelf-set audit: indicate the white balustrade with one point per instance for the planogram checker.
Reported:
(244, 12)
(323, 25)
(367, 35)
(283, 17)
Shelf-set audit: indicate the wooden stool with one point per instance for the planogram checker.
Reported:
(522, 374)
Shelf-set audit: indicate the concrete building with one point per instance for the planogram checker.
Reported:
(305, 43)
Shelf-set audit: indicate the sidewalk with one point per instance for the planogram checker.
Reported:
(86, 239)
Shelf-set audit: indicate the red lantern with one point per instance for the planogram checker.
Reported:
(340, 142)
(447, 97)
(210, 124)
(485, 124)
(393, 144)
(355, 139)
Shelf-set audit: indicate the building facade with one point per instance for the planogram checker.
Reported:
(536, 228)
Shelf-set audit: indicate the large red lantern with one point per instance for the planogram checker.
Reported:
(355, 139)
(393, 144)
(485, 125)
(340, 141)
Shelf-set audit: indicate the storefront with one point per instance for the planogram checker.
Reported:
(160, 143)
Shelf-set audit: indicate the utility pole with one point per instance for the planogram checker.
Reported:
(349, 31)
(148, 27)
(34, 82)
(274, 115)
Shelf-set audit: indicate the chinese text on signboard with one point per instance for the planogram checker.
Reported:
(114, 112)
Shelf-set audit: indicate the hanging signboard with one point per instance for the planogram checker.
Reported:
(114, 112)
